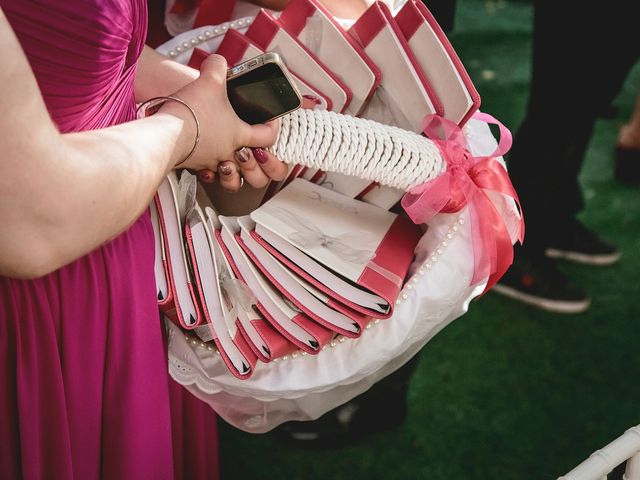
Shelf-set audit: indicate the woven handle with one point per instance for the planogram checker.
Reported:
(357, 147)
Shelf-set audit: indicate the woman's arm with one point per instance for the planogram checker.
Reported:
(158, 76)
(63, 195)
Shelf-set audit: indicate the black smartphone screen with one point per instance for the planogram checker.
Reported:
(262, 94)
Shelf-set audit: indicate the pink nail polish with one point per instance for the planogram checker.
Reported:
(242, 155)
(260, 155)
(225, 169)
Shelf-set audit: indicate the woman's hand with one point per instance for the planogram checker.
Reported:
(223, 135)
(256, 166)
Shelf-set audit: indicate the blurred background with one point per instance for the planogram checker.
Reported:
(506, 391)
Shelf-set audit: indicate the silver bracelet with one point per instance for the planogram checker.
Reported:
(156, 103)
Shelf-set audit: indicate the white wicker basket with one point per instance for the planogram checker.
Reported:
(438, 290)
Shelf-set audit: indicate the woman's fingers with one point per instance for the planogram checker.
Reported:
(229, 176)
(215, 67)
(250, 169)
(260, 135)
(255, 165)
(270, 164)
(259, 166)
(206, 176)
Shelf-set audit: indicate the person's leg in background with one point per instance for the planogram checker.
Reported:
(444, 11)
(382, 407)
(571, 84)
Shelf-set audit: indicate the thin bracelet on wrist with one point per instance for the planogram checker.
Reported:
(155, 103)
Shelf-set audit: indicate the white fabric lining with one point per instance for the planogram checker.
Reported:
(303, 387)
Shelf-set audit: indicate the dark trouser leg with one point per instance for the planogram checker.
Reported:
(444, 11)
(385, 403)
(571, 83)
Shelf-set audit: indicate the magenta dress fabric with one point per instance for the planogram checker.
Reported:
(84, 389)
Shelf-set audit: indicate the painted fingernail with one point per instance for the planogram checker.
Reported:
(242, 155)
(260, 154)
(205, 175)
(225, 169)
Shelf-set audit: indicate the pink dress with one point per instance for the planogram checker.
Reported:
(84, 389)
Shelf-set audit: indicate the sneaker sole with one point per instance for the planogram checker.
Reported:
(584, 258)
(557, 306)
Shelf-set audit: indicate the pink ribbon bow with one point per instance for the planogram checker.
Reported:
(466, 183)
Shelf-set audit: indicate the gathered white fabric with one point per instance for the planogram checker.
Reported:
(303, 387)
(357, 147)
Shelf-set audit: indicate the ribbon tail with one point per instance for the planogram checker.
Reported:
(493, 251)
(506, 139)
(504, 258)
(490, 174)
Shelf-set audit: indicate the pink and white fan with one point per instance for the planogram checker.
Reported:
(452, 192)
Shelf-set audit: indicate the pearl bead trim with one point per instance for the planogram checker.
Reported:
(426, 266)
(208, 34)
(429, 263)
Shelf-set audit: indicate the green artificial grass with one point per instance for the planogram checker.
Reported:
(506, 391)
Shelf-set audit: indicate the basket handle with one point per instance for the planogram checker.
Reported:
(358, 147)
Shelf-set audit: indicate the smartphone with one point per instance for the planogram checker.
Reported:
(260, 89)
